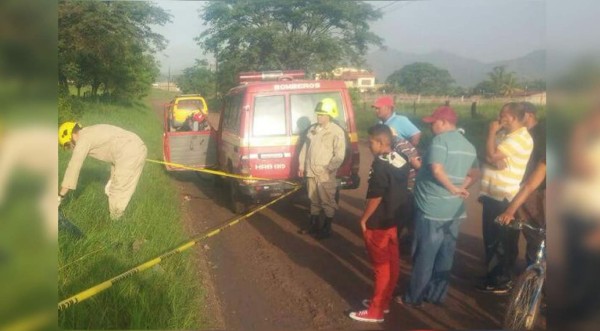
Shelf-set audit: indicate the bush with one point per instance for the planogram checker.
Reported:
(69, 107)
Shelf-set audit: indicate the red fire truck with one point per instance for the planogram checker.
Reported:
(260, 128)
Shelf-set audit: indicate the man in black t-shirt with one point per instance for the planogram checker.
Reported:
(386, 201)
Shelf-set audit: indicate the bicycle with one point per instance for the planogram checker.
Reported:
(526, 296)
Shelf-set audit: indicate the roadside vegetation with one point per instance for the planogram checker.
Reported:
(165, 297)
(475, 127)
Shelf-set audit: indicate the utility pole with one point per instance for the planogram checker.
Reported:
(169, 80)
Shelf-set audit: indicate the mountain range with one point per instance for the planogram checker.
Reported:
(466, 72)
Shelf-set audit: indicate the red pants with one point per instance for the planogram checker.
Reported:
(382, 246)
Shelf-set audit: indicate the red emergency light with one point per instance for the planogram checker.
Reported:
(256, 76)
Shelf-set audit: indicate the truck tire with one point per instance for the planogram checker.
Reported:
(234, 197)
(237, 205)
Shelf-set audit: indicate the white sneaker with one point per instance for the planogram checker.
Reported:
(364, 316)
(367, 303)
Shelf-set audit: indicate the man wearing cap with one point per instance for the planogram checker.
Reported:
(322, 153)
(449, 168)
(401, 126)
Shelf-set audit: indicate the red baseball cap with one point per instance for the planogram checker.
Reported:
(442, 113)
(384, 101)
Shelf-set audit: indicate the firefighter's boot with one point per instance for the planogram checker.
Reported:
(313, 225)
(325, 231)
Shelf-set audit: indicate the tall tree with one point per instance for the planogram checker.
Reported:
(503, 82)
(109, 44)
(315, 36)
(422, 78)
(197, 79)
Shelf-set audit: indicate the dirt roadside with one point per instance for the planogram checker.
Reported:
(262, 275)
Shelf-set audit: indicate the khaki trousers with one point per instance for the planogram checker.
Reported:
(125, 175)
(322, 196)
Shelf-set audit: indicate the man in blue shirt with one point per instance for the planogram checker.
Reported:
(401, 126)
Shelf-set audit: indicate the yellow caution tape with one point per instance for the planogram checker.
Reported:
(81, 296)
(217, 172)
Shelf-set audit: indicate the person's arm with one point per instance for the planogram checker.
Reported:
(533, 182)
(407, 149)
(71, 177)
(302, 159)
(415, 139)
(416, 162)
(492, 154)
(370, 208)
(471, 178)
(339, 151)
(440, 175)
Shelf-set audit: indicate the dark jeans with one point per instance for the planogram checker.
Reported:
(407, 219)
(501, 243)
(433, 255)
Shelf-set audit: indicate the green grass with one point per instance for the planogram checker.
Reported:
(170, 298)
(475, 128)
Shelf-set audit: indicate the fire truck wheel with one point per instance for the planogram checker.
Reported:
(236, 203)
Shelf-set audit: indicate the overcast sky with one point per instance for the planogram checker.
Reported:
(485, 30)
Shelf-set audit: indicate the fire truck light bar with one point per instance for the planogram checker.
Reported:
(254, 76)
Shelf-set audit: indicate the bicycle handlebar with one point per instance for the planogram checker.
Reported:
(519, 224)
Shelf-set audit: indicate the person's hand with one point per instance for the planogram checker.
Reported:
(501, 164)
(495, 126)
(416, 162)
(505, 218)
(300, 172)
(461, 192)
(363, 225)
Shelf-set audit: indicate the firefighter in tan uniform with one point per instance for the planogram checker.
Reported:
(320, 157)
(124, 150)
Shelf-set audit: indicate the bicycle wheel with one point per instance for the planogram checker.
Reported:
(524, 301)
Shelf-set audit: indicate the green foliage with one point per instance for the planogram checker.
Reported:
(197, 79)
(499, 82)
(69, 108)
(108, 45)
(475, 128)
(169, 297)
(314, 36)
(422, 78)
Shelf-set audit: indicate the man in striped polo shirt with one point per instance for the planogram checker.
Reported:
(449, 168)
(508, 148)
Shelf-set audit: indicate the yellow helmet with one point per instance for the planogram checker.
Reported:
(65, 133)
(327, 106)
